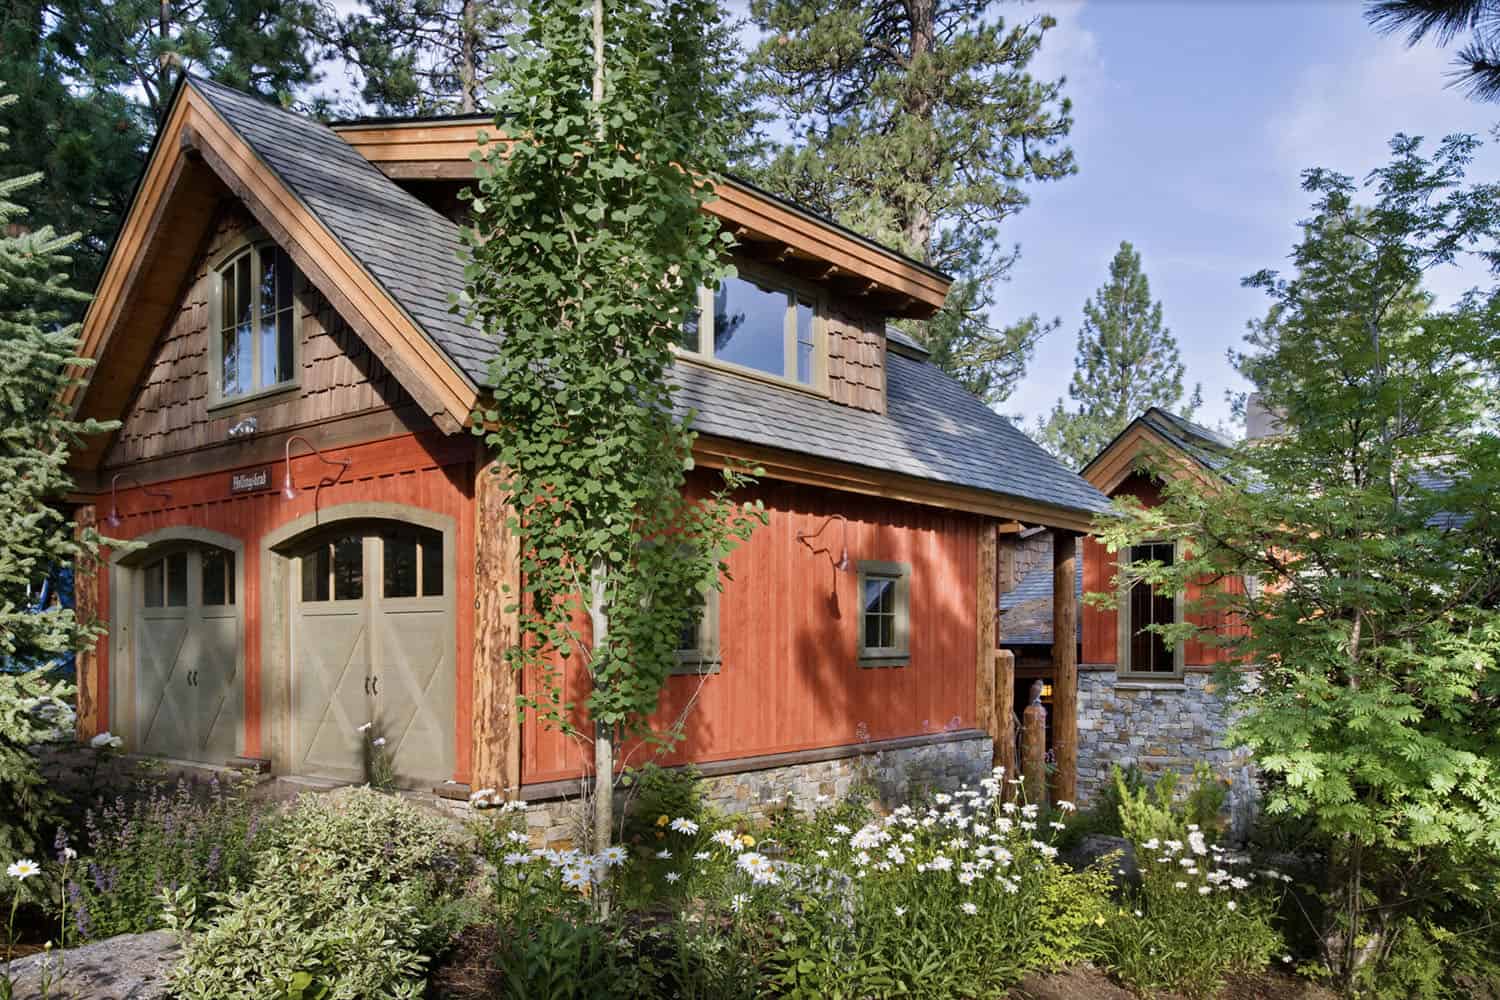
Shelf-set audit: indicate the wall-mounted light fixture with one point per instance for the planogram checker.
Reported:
(807, 538)
(288, 490)
(114, 495)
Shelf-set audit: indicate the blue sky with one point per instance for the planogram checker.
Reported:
(1192, 124)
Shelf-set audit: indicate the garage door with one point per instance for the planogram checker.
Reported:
(188, 655)
(372, 642)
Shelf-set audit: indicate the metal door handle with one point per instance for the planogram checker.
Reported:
(375, 685)
(367, 685)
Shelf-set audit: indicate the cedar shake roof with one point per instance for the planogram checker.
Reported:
(933, 429)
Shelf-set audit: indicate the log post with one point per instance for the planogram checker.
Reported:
(495, 761)
(1005, 711)
(1034, 748)
(1065, 663)
(91, 716)
(986, 716)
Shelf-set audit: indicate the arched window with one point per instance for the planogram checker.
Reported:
(253, 322)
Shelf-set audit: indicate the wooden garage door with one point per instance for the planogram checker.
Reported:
(372, 641)
(188, 655)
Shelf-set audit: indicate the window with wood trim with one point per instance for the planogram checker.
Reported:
(885, 614)
(253, 335)
(1145, 653)
(757, 323)
(698, 640)
(412, 562)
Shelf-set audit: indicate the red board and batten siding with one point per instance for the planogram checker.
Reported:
(790, 678)
(427, 471)
(1100, 628)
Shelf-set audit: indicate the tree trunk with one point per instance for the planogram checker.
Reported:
(604, 748)
(916, 221)
(468, 72)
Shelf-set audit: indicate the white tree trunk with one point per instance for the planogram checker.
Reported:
(604, 747)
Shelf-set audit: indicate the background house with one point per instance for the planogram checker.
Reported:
(1140, 701)
(322, 543)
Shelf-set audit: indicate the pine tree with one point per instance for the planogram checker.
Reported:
(917, 123)
(424, 57)
(36, 352)
(1127, 362)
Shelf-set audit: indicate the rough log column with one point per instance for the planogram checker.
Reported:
(86, 610)
(496, 760)
(985, 715)
(1065, 663)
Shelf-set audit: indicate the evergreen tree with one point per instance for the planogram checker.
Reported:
(36, 352)
(1371, 524)
(1127, 362)
(424, 57)
(1445, 20)
(917, 123)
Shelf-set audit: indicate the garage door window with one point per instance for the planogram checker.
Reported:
(166, 582)
(335, 568)
(413, 563)
(218, 578)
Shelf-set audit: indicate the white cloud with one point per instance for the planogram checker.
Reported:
(1069, 49)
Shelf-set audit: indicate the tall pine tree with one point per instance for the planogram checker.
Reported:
(918, 123)
(1127, 362)
(424, 57)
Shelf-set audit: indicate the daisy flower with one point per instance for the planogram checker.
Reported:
(576, 878)
(969, 908)
(613, 855)
(673, 877)
(23, 869)
(684, 825)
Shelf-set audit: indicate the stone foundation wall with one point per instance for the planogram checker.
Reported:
(1155, 727)
(900, 773)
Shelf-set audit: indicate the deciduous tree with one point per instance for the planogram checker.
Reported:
(1371, 527)
(588, 243)
(919, 124)
(1127, 362)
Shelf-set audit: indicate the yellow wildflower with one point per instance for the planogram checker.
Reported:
(747, 840)
(662, 820)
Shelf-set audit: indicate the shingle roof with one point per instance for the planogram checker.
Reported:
(933, 429)
(408, 247)
(1026, 611)
(1207, 446)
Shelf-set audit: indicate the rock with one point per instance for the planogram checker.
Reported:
(1123, 869)
(127, 967)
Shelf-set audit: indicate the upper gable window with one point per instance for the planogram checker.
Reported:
(255, 342)
(758, 324)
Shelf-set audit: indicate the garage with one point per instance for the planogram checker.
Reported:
(188, 655)
(372, 644)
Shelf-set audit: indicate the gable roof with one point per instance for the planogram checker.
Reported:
(390, 265)
(1206, 452)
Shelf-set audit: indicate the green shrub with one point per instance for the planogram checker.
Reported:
(653, 792)
(1205, 799)
(1148, 812)
(961, 899)
(199, 838)
(350, 898)
(33, 710)
(1192, 922)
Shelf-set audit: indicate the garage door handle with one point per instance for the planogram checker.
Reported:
(367, 685)
(375, 685)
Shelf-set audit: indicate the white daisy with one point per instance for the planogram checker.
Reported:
(23, 869)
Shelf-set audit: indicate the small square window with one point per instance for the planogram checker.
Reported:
(698, 640)
(884, 614)
(218, 577)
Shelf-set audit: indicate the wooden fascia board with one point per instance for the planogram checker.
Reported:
(715, 452)
(442, 152)
(394, 338)
(1116, 463)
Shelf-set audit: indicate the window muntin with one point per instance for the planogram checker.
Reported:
(884, 613)
(166, 581)
(256, 329)
(412, 563)
(757, 324)
(1143, 651)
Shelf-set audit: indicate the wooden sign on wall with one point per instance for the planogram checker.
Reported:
(250, 482)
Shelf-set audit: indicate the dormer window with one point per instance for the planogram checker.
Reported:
(757, 324)
(254, 340)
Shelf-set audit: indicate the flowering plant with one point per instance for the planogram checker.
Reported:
(1199, 914)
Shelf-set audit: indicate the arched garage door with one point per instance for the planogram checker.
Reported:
(373, 632)
(188, 655)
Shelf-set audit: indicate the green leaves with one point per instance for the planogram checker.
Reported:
(585, 235)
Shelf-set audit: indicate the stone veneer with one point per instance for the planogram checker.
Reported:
(899, 770)
(1157, 727)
